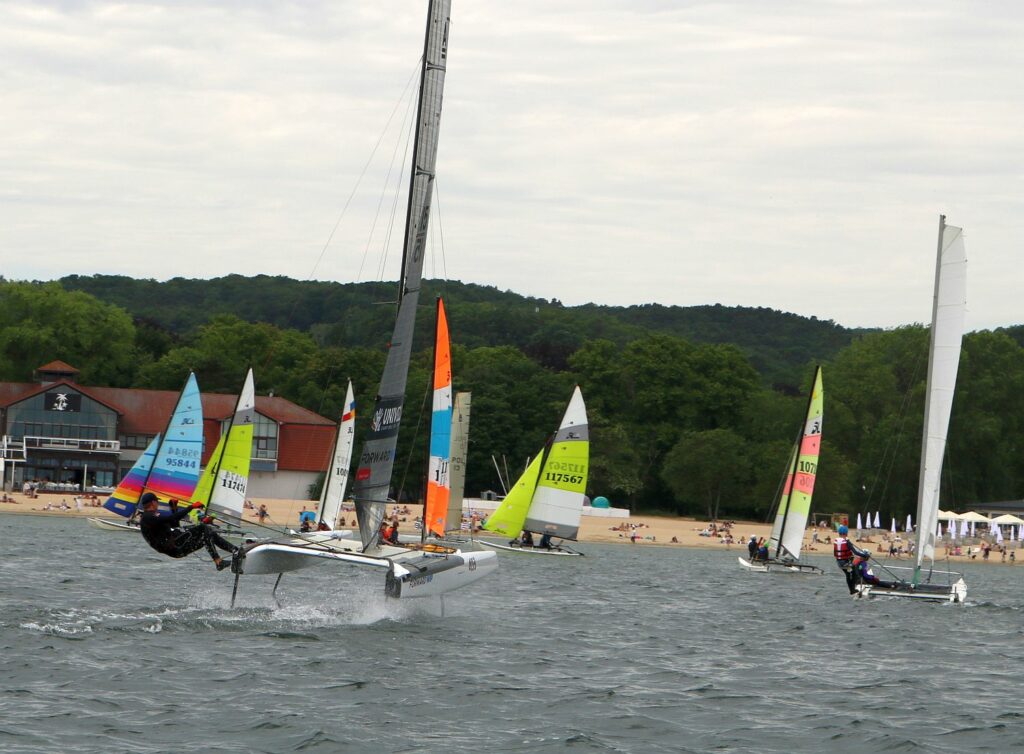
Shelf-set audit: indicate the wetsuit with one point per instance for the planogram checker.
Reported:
(845, 551)
(164, 535)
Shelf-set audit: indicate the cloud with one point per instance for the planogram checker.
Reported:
(793, 155)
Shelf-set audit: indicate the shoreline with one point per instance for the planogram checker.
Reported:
(652, 531)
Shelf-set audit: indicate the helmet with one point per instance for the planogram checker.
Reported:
(844, 529)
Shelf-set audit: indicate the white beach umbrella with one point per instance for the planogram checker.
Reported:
(858, 522)
(878, 520)
(893, 527)
(952, 529)
(999, 533)
(1007, 518)
(963, 528)
(1020, 533)
(972, 528)
(910, 523)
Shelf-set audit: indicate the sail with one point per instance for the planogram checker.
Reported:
(125, 498)
(800, 482)
(231, 469)
(337, 474)
(775, 538)
(204, 488)
(179, 458)
(373, 474)
(558, 500)
(438, 485)
(170, 464)
(949, 306)
(460, 451)
(510, 515)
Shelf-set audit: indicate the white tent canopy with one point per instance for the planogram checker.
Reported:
(972, 516)
(951, 516)
(1008, 518)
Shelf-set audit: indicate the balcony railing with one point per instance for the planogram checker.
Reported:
(72, 444)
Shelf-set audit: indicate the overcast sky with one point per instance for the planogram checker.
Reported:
(792, 155)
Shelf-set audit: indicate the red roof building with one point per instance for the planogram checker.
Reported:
(68, 437)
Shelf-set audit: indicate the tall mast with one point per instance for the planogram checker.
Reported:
(373, 474)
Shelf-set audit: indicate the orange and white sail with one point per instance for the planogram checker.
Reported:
(438, 482)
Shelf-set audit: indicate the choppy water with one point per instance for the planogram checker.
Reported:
(108, 647)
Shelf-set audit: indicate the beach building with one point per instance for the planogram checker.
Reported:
(68, 437)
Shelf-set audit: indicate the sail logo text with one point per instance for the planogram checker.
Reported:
(385, 418)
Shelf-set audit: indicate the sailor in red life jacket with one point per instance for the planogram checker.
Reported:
(845, 552)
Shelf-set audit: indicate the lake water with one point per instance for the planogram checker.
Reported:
(106, 646)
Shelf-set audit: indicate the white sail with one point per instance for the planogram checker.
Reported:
(337, 474)
(460, 449)
(558, 500)
(947, 330)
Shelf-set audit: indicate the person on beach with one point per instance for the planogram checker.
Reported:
(845, 551)
(752, 547)
(163, 533)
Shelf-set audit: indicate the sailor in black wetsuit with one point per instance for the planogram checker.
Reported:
(164, 534)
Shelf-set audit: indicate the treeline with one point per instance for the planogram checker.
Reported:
(678, 425)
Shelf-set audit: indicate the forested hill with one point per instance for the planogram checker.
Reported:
(779, 345)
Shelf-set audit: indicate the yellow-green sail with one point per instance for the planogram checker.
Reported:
(508, 519)
(228, 469)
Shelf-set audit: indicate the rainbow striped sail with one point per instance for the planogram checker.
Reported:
(438, 484)
(170, 465)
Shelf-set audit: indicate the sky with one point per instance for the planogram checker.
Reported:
(789, 155)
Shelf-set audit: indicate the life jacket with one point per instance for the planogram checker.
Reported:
(842, 549)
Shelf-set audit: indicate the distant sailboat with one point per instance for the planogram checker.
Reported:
(945, 340)
(169, 466)
(336, 479)
(547, 500)
(794, 505)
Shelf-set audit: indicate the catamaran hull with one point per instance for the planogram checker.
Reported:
(955, 592)
(432, 577)
(107, 525)
(554, 551)
(423, 575)
(777, 567)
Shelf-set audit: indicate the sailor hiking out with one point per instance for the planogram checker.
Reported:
(165, 535)
(845, 552)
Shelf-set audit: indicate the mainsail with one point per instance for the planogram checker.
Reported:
(460, 451)
(226, 476)
(337, 474)
(438, 485)
(170, 464)
(373, 475)
(548, 497)
(795, 503)
(948, 308)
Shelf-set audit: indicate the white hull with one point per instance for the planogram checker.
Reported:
(955, 592)
(554, 551)
(410, 573)
(776, 567)
(107, 525)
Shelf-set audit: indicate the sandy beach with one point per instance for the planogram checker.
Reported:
(657, 531)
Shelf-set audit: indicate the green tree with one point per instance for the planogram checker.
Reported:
(40, 322)
(709, 470)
